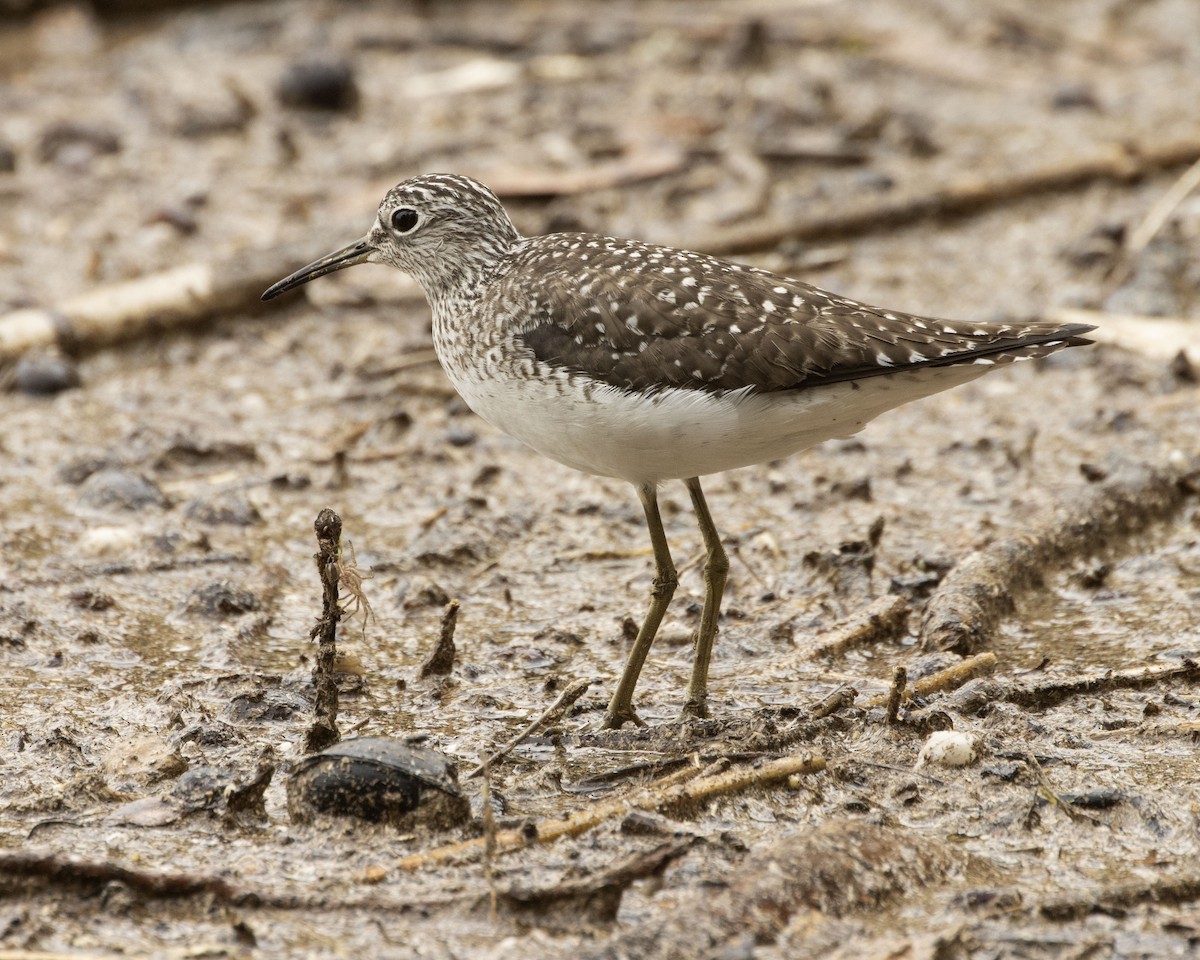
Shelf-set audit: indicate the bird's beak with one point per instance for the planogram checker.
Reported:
(357, 252)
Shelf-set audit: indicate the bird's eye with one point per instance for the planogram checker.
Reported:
(404, 220)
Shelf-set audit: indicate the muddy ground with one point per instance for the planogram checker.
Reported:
(157, 588)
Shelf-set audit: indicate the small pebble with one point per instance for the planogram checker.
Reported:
(460, 436)
(318, 85)
(949, 748)
(221, 599)
(108, 542)
(1075, 96)
(228, 509)
(122, 490)
(72, 143)
(43, 375)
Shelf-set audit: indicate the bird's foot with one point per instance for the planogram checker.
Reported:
(615, 718)
(694, 708)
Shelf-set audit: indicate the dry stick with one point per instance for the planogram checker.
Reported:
(1052, 692)
(649, 798)
(1141, 235)
(489, 839)
(881, 620)
(949, 679)
(441, 661)
(159, 301)
(968, 605)
(966, 196)
(551, 715)
(323, 731)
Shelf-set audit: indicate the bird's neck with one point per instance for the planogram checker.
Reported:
(452, 280)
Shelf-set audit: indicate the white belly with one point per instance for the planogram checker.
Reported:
(685, 433)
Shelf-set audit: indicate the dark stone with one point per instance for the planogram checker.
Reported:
(1075, 96)
(460, 436)
(221, 599)
(43, 375)
(318, 85)
(73, 143)
(121, 490)
(381, 780)
(228, 509)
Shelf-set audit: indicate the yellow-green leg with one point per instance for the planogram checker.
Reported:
(620, 708)
(716, 570)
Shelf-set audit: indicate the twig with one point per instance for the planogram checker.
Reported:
(1141, 235)
(489, 843)
(1052, 692)
(323, 731)
(968, 195)
(551, 715)
(648, 798)
(1052, 795)
(881, 620)
(968, 605)
(441, 661)
(949, 679)
(841, 698)
(148, 305)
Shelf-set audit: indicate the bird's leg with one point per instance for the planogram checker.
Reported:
(620, 708)
(716, 569)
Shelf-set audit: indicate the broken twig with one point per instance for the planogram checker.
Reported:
(551, 715)
(880, 621)
(651, 797)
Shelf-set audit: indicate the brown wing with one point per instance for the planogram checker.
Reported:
(642, 317)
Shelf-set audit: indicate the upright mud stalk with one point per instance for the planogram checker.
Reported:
(324, 731)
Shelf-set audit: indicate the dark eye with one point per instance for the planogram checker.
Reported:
(404, 219)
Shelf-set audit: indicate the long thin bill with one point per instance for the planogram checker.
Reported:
(348, 256)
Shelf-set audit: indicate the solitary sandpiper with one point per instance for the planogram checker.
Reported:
(647, 363)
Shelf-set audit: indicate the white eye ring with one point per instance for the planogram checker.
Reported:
(404, 220)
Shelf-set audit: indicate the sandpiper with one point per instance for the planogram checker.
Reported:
(647, 363)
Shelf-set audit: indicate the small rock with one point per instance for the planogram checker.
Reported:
(380, 780)
(228, 509)
(121, 490)
(108, 542)
(8, 158)
(75, 143)
(1181, 368)
(221, 599)
(217, 110)
(458, 436)
(76, 471)
(43, 375)
(318, 85)
(88, 599)
(1075, 96)
(950, 748)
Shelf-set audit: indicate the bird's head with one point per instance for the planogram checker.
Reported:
(443, 229)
